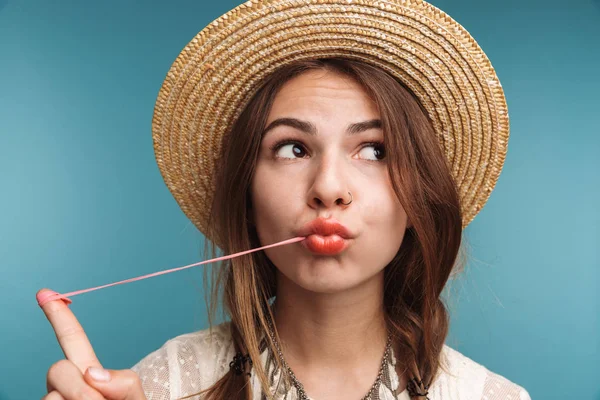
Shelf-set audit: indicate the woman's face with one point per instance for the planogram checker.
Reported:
(322, 141)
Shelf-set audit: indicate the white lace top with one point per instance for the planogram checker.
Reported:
(192, 362)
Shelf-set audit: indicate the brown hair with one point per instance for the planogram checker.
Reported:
(415, 313)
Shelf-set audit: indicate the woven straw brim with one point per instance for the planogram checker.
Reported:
(216, 74)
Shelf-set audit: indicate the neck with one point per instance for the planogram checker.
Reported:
(329, 328)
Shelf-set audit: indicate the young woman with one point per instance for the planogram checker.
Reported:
(376, 166)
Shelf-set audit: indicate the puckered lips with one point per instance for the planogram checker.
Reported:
(325, 236)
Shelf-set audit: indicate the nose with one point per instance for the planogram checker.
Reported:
(329, 187)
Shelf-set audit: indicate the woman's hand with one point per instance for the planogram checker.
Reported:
(75, 377)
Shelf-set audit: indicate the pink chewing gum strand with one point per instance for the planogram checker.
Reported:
(48, 296)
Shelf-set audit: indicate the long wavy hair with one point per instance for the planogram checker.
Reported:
(415, 313)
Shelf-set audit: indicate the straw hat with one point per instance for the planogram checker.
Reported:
(217, 73)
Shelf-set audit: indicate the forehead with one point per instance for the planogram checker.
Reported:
(323, 92)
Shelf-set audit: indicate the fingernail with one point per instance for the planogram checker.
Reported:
(99, 374)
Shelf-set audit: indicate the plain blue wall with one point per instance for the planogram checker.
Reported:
(82, 202)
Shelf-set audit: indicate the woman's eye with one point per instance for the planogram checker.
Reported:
(372, 152)
(291, 150)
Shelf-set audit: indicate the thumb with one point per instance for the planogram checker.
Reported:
(115, 384)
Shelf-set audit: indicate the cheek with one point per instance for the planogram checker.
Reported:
(270, 205)
(380, 206)
(384, 218)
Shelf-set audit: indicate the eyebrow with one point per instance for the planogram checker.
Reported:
(309, 128)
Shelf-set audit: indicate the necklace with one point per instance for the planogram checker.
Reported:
(300, 388)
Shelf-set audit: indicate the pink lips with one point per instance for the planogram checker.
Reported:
(325, 236)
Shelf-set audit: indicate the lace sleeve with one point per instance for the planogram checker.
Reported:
(497, 387)
(153, 371)
(186, 364)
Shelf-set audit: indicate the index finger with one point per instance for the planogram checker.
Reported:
(71, 336)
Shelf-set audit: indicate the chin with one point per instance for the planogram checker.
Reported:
(325, 286)
(327, 278)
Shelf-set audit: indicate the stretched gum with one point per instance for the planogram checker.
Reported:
(50, 295)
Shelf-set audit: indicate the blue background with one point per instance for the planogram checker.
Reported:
(82, 201)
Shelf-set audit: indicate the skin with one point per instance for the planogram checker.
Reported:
(70, 378)
(329, 309)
